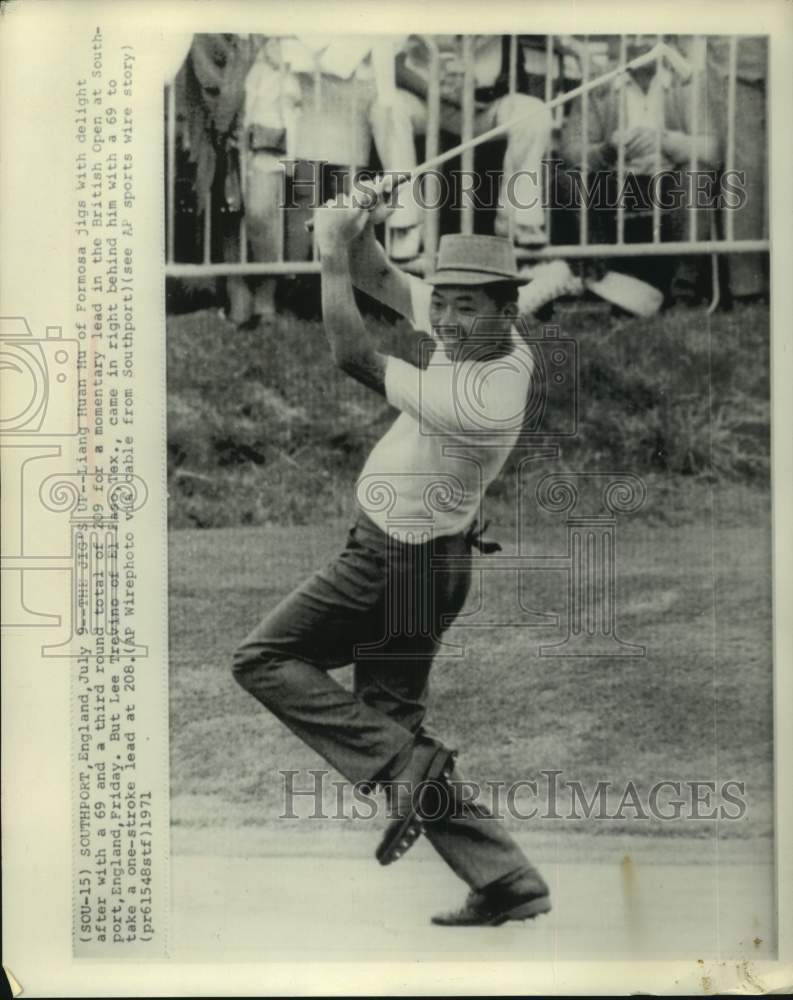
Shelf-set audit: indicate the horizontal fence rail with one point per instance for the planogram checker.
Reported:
(580, 59)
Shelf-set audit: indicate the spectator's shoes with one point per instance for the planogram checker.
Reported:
(628, 293)
(421, 793)
(529, 237)
(550, 280)
(494, 905)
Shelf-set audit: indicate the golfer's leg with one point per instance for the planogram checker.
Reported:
(284, 664)
(474, 844)
(397, 688)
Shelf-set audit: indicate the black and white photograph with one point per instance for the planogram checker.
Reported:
(469, 496)
(395, 498)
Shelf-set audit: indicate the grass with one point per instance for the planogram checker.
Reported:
(262, 429)
(694, 588)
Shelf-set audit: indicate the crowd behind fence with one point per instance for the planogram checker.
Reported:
(712, 89)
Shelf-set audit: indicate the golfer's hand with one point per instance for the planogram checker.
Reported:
(376, 196)
(339, 221)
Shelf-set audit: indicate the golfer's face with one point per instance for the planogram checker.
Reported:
(453, 312)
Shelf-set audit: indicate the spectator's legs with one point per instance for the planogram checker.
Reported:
(304, 190)
(263, 194)
(747, 272)
(521, 194)
(226, 217)
(269, 107)
(394, 123)
(240, 300)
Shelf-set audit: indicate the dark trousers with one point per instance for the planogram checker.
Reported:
(383, 606)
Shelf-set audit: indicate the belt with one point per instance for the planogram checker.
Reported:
(473, 538)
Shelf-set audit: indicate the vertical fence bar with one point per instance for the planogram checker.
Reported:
(729, 159)
(467, 157)
(244, 160)
(766, 134)
(694, 125)
(660, 122)
(170, 173)
(281, 234)
(430, 185)
(318, 108)
(549, 67)
(621, 98)
(355, 107)
(583, 220)
(281, 237)
(513, 86)
(208, 227)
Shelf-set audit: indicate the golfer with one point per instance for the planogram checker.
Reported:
(384, 602)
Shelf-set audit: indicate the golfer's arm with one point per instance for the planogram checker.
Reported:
(376, 275)
(350, 343)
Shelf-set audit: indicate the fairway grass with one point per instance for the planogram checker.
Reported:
(696, 707)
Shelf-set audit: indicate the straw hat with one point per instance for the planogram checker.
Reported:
(468, 259)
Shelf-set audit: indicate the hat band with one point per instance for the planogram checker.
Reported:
(476, 269)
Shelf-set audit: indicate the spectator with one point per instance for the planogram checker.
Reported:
(272, 99)
(656, 104)
(249, 104)
(209, 94)
(527, 141)
(347, 96)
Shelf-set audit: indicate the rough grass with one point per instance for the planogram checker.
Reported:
(263, 430)
(695, 591)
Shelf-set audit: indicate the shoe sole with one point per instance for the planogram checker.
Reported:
(523, 911)
(403, 833)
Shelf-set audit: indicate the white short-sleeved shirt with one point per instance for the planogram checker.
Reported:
(458, 423)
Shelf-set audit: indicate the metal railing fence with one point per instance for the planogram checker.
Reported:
(580, 51)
